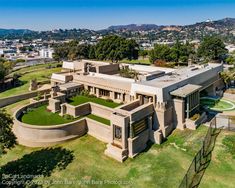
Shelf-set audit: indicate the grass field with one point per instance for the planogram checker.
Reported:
(83, 161)
(13, 107)
(40, 116)
(39, 72)
(220, 173)
(158, 166)
(99, 119)
(80, 99)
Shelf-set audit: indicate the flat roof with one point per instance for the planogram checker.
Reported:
(185, 90)
(70, 85)
(111, 77)
(179, 75)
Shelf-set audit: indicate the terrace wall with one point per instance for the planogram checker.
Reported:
(98, 130)
(43, 136)
(89, 108)
(10, 100)
(100, 110)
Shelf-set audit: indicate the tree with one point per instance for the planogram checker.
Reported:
(181, 52)
(3, 72)
(160, 52)
(116, 48)
(213, 48)
(230, 60)
(7, 138)
(143, 53)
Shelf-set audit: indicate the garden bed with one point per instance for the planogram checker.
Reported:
(81, 99)
(41, 116)
(99, 119)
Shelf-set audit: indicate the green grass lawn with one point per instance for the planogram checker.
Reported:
(80, 99)
(39, 72)
(138, 61)
(221, 171)
(13, 107)
(40, 116)
(99, 119)
(160, 166)
(219, 105)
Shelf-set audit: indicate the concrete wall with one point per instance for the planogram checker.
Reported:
(10, 100)
(138, 144)
(100, 110)
(79, 110)
(98, 130)
(40, 136)
(141, 112)
(108, 69)
(89, 108)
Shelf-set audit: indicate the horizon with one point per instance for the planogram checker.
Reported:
(118, 25)
(42, 15)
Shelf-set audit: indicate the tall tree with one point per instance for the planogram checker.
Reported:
(116, 48)
(160, 52)
(7, 138)
(212, 48)
(3, 72)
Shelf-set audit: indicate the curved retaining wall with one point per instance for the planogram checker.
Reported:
(42, 136)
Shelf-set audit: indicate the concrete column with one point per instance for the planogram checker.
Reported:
(97, 92)
(122, 97)
(112, 94)
(187, 104)
(179, 116)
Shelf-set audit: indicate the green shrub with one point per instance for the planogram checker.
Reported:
(92, 96)
(109, 100)
(84, 92)
(68, 117)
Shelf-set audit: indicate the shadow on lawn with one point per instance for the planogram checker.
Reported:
(21, 172)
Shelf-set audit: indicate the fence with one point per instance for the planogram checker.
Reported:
(202, 159)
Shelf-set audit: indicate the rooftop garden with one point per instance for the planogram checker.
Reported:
(42, 116)
(99, 119)
(81, 99)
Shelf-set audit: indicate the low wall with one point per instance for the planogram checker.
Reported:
(79, 110)
(100, 110)
(229, 96)
(98, 130)
(41, 136)
(10, 100)
(89, 108)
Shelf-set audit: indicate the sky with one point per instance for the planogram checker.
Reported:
(99, 14)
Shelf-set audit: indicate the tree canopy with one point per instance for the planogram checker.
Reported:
(179, 52)
(7, 138)
(111, 47)
(212, 48)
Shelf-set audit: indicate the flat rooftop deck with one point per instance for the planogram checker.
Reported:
(178, 75)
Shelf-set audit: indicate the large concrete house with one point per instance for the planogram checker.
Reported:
(155, 101)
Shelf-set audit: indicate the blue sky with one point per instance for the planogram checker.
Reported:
(99, 14)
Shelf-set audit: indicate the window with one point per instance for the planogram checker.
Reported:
(117, 95)
(117, 132)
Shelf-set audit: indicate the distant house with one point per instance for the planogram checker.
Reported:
(46, 53)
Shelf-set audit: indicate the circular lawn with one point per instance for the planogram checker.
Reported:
(41, 116)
